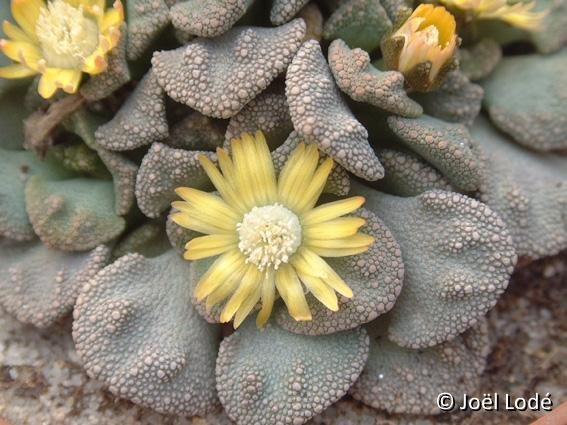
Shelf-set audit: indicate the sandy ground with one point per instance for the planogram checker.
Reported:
(42, 383)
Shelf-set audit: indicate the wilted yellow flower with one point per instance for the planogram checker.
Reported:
(422, 46)
(267, 232)
(60, 40)
(519, 14)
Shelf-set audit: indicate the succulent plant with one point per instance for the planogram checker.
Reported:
(221, 162)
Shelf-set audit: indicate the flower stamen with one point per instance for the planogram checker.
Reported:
(269, 236)
(60, 40)
(66, 35)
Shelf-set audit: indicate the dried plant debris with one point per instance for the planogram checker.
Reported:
(360, 23)
(116, 75)
(207, 18)
(408, 175)
(458, 258)
(164, 169)
(274, 376)
(525, 98)
(358, 78)
(313, 18)
(39, 285)
(72, 215)
(146, 19)
(195, 132)
(446, 145)
(319, 114)
(40, 125)
(375, 277)
(145, 341)
(527, 189)
(456, 99)
(479, 60)
(140, 121)
(269, 113)
(402, 380)
(217, 77)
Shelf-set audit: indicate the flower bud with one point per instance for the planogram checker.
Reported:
(423, 47)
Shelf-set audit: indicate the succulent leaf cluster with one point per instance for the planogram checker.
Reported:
(463, 173)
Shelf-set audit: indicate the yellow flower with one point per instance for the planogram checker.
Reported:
(428, 37)
(60, 40)
(267, 232)
(518, 14)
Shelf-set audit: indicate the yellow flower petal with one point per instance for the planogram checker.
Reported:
(249, 285)
(259, 174)
(113, 18)
(229, 173)
(289, 287)
(247, 180)
(333, 229)
(209, 246)
(321, 291)
(15, 32)
(354, 241)
(216, 275)
(519, 14)
(230, 285)
(200, 222)
(284, 179)
(307, 262)
(95, 63)
(339, 252)
(19, 51)
(26, 12)
(266, 166)
(221, 184)
(332, 210)
(47, 86)
(297, 174)
(207, 201)
(268, 298)
(342, 247)
(315, 187)
(68, 80)
(247, 305)
(16, 71)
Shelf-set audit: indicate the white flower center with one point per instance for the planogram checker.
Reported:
(67, 37)
(269, 236)
(431, 34)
